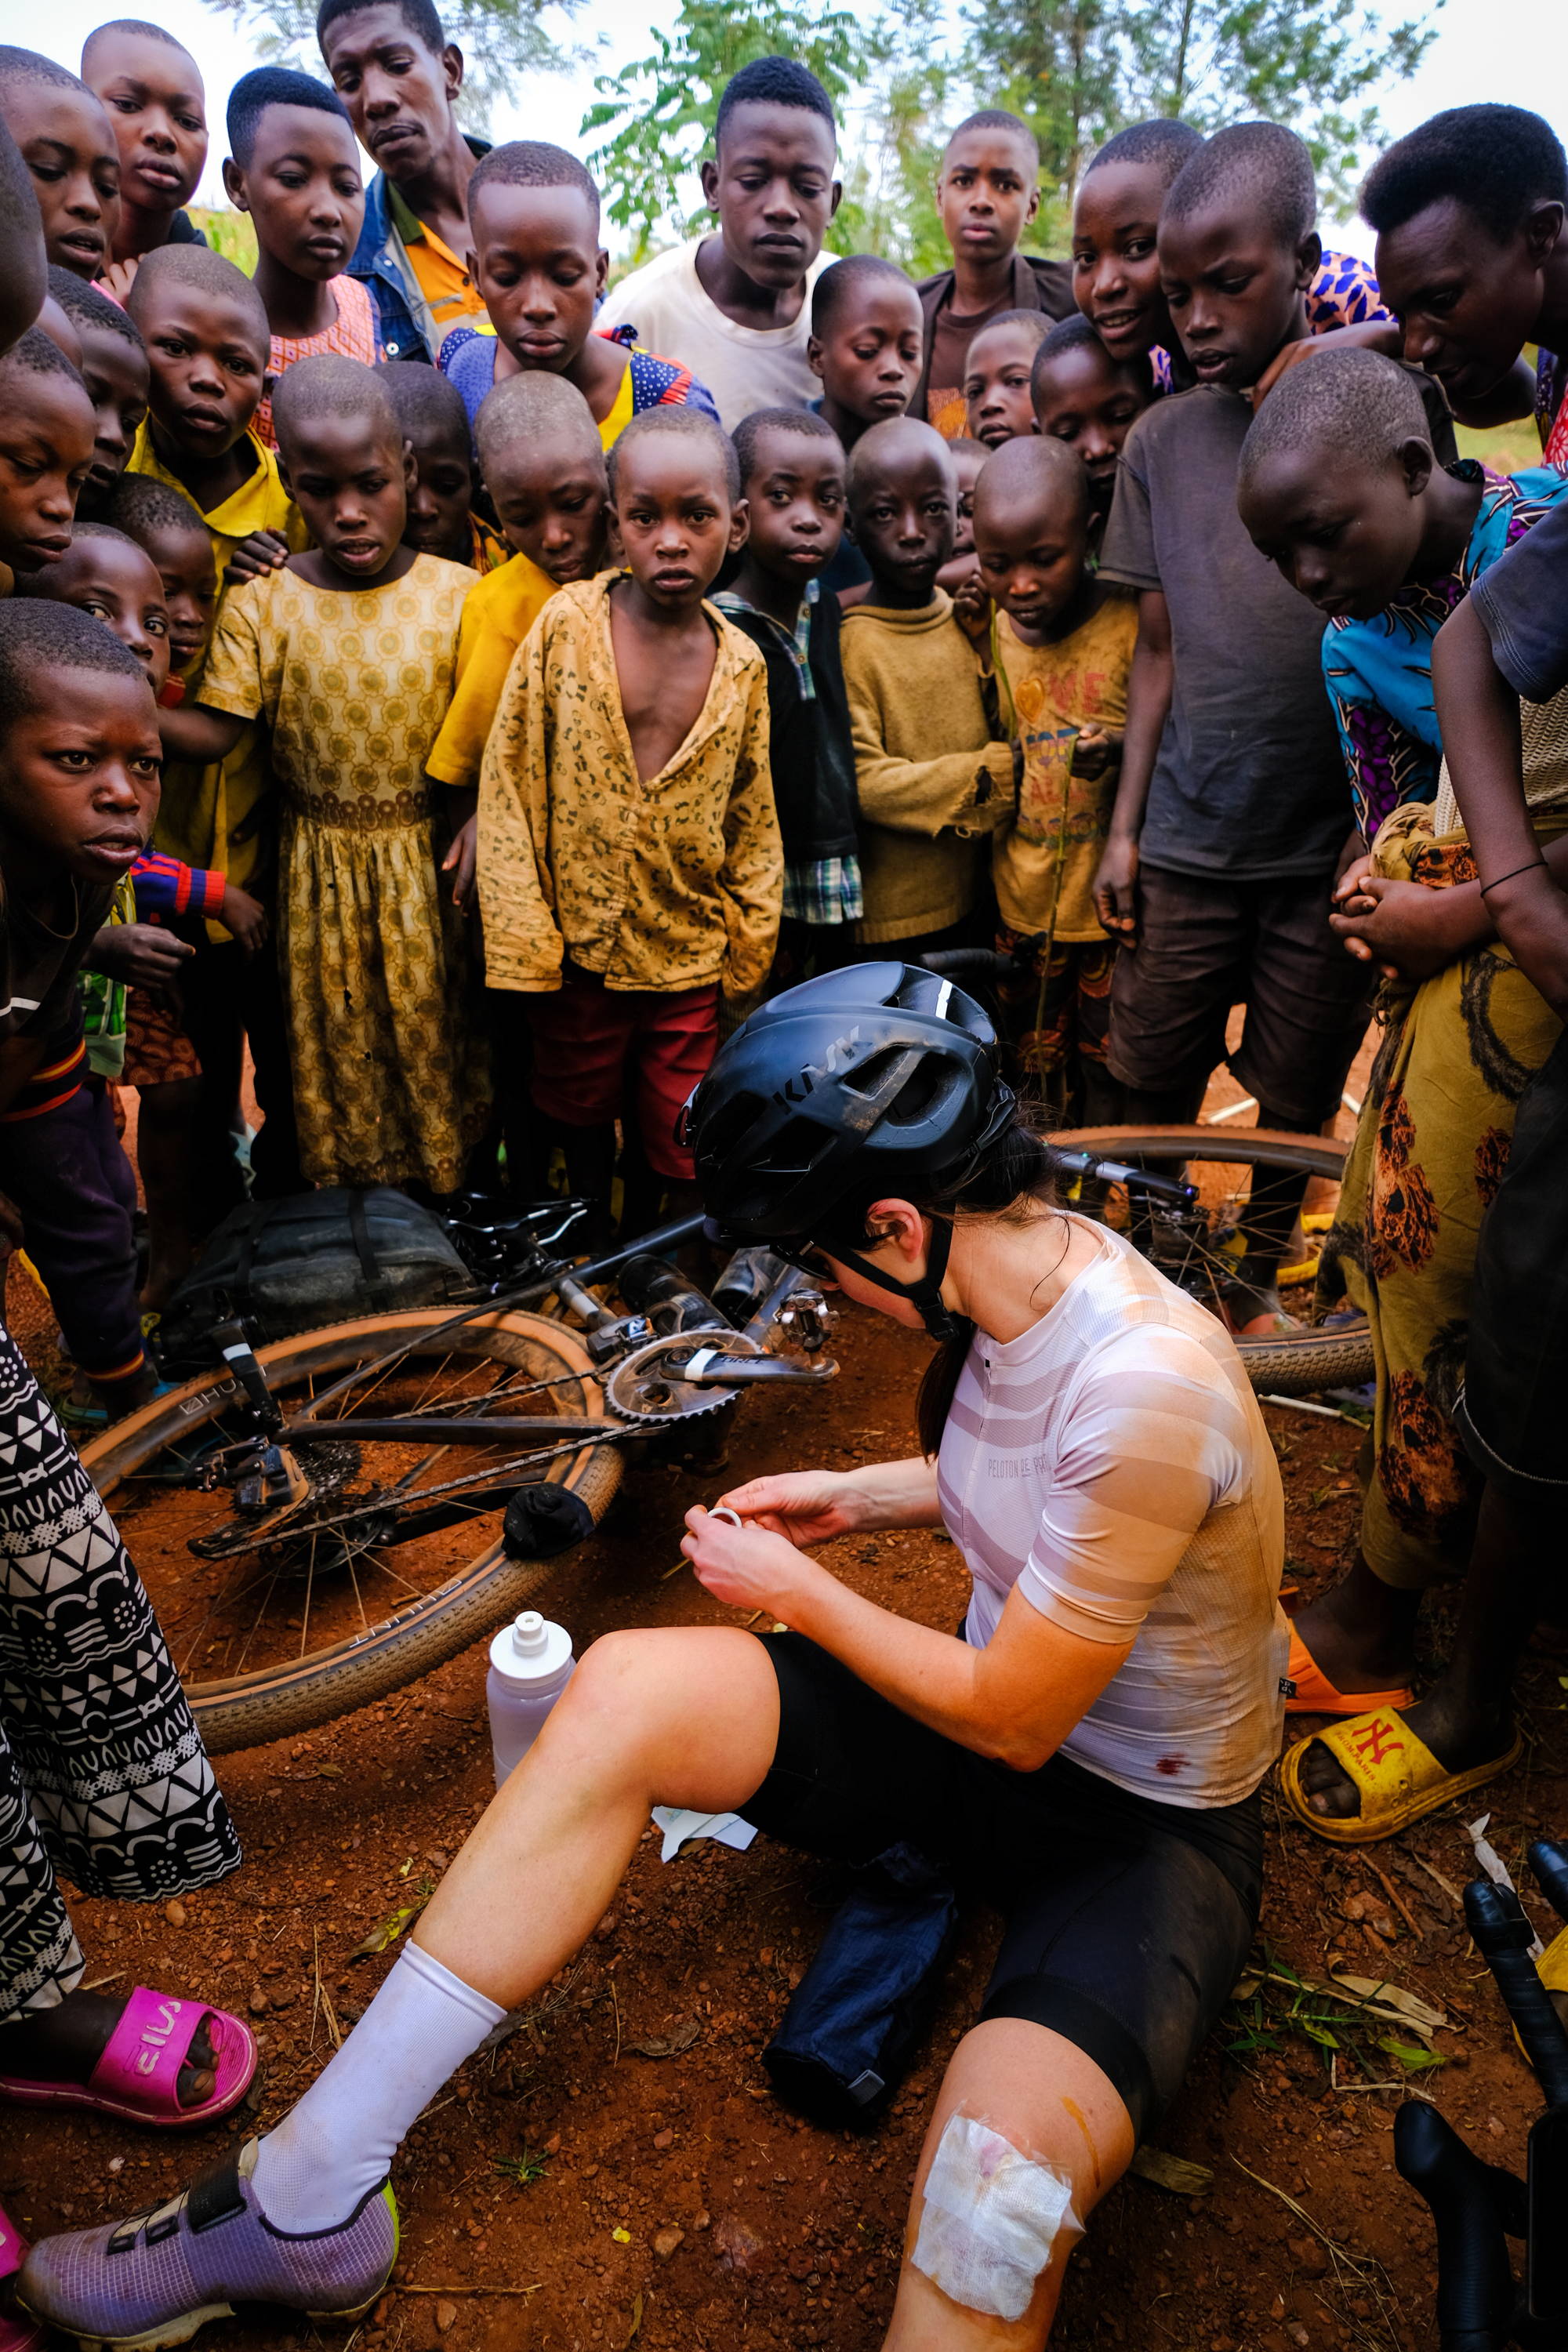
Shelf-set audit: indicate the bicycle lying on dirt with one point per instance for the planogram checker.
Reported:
(305, 1520)
(1477, 2207)
(327, 1517)
(1177, 1193)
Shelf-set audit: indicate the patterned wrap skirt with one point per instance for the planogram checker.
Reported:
(103, 1776)
(1430, 1153)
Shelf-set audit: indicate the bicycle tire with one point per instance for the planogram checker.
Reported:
(1292, 1364)
(281, 1701)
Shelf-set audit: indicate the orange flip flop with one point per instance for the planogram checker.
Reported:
(1314, 1694)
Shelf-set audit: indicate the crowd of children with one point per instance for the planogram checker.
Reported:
(472, 687)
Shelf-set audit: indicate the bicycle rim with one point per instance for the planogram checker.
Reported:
(1292, 1363)
(277, 1637)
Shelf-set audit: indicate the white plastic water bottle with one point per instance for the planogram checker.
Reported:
(531, 1665)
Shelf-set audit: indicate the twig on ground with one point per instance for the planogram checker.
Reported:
(404, 2286)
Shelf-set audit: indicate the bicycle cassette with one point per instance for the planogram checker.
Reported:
(646, 1385)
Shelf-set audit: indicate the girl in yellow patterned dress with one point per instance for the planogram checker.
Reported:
(349, 653)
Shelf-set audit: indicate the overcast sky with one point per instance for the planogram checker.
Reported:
(1516, 52)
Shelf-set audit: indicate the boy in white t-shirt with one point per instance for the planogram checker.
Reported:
(735, 309)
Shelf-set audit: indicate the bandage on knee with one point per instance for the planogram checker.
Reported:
(991, 2218)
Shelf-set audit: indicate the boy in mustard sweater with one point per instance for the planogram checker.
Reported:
(933, 778)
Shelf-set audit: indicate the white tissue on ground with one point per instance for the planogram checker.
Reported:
(680, 1827)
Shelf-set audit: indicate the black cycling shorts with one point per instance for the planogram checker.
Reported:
(1128, 1921)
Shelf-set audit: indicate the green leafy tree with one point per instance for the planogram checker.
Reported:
(1080, 69)
(502, 41)
(895, 140)
(657, 114)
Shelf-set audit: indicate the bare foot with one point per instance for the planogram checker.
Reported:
(63, 2045)
(1457, 1741)
(1362, 1633)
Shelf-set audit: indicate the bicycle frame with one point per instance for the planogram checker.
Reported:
(1477, 2207)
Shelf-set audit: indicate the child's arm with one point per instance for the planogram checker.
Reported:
(235, 689)
(196, 734)
(1477, 711)
(142, 955)
(1148, 707)
(462, 805)
(523, 946)
(166, 887)
(752, 881)
(966, 792)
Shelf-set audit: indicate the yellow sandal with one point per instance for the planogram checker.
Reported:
(1398, 1777)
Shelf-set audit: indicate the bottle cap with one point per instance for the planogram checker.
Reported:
(531, 1649)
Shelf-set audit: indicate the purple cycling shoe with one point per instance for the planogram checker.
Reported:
(152, 2280)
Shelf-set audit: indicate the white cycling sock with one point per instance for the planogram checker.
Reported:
(336, 2144)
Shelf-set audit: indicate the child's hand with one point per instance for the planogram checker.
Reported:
(971, 611)
(460, 861)
(244, 916)
(119, 277)
(1350, 890)
(1408, 931)
(1114, 901)
(143, 955)
(1097, 753)
(263, 551)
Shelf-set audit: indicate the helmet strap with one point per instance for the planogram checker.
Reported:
(925, 1294)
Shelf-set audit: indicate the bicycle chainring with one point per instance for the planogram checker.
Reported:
(646, 1386)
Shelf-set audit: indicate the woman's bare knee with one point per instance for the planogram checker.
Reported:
(692, 1708)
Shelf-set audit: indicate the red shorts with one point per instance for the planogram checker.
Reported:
(592, 1046)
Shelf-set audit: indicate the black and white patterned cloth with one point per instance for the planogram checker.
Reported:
(103, 1776)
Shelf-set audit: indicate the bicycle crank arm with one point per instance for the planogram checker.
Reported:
(711, 1367)
(493, 1429)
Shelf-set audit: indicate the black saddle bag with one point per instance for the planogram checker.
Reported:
(281, 1266)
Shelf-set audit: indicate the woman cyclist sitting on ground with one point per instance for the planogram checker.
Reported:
(1086, 1754)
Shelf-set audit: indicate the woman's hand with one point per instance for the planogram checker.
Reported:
(745, 1568)
(804, 1506)
(1407, 931)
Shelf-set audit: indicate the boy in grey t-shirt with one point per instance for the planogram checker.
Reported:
(1233, 812)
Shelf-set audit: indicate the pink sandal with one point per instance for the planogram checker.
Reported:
(17, 2332)
(137, 2078)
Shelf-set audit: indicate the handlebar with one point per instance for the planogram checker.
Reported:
(1476, 2207)
(1503, 1936)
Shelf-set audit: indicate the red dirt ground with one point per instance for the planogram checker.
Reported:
(676, 2203)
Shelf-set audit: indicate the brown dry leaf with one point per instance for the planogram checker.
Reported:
(636, 2317)
(1390, 2001)
(1173, 2172)
(682, 2036)
(382, 1939)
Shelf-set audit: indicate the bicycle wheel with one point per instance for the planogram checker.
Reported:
(277, 1627)
(1220, 1161)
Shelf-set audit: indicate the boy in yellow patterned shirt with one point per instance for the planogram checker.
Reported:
(1062, 640)
(629, 860)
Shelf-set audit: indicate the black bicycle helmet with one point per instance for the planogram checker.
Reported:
(879, 1078)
